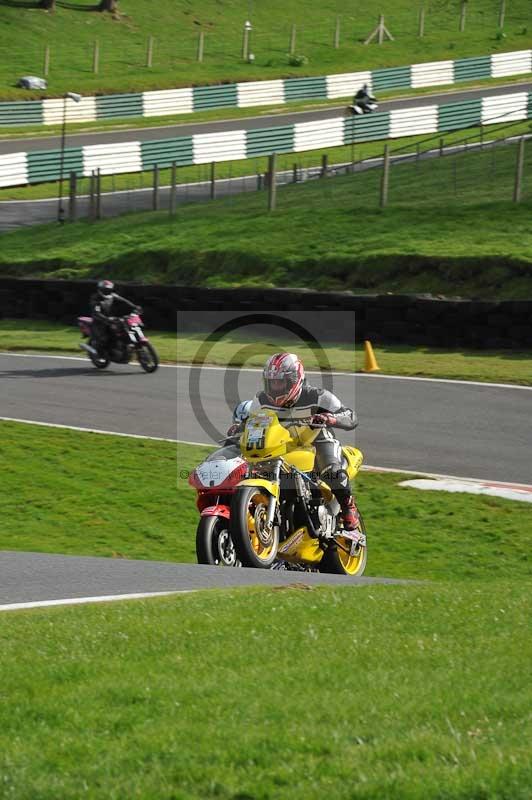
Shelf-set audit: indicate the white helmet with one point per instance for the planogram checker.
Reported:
(241, 412)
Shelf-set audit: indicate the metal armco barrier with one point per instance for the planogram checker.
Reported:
(256, 93)
(408, 319)
(35, 167)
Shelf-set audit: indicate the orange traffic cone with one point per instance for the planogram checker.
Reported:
(370, 362)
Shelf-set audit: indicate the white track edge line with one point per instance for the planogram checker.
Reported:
(73, 601)
(372, 376)
(87, 430)
(66, 358)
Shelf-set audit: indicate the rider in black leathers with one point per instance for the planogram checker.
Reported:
(105, 305)
(363, 97)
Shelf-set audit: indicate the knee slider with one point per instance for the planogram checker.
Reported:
(335, 475)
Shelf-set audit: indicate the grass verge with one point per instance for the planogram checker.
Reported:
(71, 34)
(206, 696)
(415, 693)
(444, 231)
(492, 366)
(259, 166)
(75, 505)
(133, 123)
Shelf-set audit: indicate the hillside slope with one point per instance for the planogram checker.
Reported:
(175, 25)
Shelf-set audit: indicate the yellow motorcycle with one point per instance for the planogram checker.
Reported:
(283, 515)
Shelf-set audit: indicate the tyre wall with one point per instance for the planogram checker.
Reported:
(385, 319)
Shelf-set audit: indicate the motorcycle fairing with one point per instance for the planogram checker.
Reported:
(354, 459)
(217, 472)
(216, 511)
(300, 546)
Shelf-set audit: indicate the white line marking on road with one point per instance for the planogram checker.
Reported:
(69, 358)
(371, 376)
(437, 476)
(366, 467)
(86, 430)
(74, 601)
(471, 487)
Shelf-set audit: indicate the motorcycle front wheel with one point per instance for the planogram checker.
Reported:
(344, 559)
(255, 545)
(148, 358)
(214, 544)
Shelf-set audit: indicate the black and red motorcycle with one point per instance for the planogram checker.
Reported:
(126, 338)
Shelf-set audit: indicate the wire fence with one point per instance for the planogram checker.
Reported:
(273, 39)
(433, 173)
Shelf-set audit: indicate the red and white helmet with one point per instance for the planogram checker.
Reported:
(283, 378)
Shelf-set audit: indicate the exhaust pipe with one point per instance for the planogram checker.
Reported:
(88, 348)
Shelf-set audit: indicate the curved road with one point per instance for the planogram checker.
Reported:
(481, 431)
(248, 123)
(470, 430)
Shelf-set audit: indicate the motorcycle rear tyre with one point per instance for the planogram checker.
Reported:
(336, 562)
(248, 555)
(207, 542)
(98, 362)
(150, 365)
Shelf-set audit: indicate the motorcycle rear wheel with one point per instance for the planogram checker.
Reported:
(213, 543)
(100, 362)
(148, 358)
(337, 561)
(254, 546)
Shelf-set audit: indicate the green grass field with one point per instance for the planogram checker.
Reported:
(404, 693)
(74, 505)
(450, 228)
(416, 692)
(498, 366)
(175, 26)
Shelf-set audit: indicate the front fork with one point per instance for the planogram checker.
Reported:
(272, 502)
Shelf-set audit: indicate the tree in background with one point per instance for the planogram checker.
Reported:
(49, 5)
(108, 5)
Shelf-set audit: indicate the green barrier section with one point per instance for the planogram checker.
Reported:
(391, 78)
(530, 105)
(366, 128)
(164, 152)
(467, 69)
(452, 116)
(270, 140)
(45, 165)
(21, 113)
(115, 106)
(303, 88)
(206, 97)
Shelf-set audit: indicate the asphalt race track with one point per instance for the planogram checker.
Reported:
(468, 430)
(480, 431)
(248, 123)
(44, 578)
(23, 213)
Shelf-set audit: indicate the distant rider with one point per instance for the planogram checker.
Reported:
(106, 305)
(288, 394)
(363, 98)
